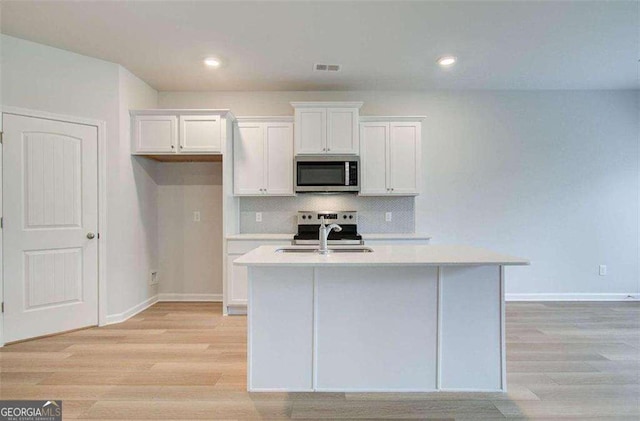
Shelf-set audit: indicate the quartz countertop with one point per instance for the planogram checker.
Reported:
(365, 237)
(397, 255)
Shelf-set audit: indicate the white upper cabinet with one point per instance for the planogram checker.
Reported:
(263, 157)
(311, 130)
(342, 131)
(390, 156)
(326, 127)
(200, 133)
(155, 133)
(176, 132)
(374, 161)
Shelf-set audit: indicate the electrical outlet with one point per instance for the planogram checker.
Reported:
(602, 270)
(258, 216)
(153, 280)
(388, 216)
(196, 216)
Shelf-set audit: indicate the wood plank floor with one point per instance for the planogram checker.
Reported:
(187, 361)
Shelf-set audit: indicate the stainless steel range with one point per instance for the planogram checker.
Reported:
(309, 226)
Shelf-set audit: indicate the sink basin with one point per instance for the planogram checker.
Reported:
(331, 250)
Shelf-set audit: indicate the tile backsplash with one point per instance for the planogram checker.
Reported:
(279, 213)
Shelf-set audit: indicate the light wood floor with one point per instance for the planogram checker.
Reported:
(186, 361)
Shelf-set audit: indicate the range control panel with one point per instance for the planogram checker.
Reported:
(330, 217)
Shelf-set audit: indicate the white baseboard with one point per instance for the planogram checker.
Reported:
(573, 297)
(190, 297)
(121, 317)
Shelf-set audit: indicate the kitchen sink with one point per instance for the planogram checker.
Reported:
(331, 250)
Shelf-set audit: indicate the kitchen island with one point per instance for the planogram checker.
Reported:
(397, 318)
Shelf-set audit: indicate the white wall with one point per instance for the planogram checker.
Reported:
(42, 78)
(190, 252)
(547, 175)
(132, 206)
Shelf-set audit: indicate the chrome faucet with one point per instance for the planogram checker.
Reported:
(324, 234)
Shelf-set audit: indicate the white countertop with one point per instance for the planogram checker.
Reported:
(365, 237)
(415, 255)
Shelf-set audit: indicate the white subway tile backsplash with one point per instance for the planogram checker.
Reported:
(279, 213)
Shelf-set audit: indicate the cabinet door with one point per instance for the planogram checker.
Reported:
(374, 162)
(248, 159)
(200, 133)
(342, 131)
(279, 158)
(311, 130)
(236, 282)
(404, 158)
(155, 133)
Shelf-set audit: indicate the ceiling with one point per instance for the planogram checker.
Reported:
(380, 45)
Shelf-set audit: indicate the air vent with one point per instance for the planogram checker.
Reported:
(319, 67)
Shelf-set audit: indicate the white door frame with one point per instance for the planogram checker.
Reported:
(101, 125)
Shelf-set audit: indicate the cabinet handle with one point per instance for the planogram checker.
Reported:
(173, 147)
(181, 146)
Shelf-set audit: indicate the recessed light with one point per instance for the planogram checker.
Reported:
(212, 62)
(447, 61)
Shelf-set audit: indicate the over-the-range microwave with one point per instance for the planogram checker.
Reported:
(326, 173)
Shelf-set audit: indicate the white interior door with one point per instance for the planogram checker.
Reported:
(50, 189)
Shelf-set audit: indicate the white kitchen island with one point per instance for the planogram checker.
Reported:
(401, 318)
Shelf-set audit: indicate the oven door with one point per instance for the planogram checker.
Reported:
(325, 174)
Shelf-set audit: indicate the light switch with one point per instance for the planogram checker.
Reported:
(258, 216)
(602, 270)
(388, 216)
(196, 216)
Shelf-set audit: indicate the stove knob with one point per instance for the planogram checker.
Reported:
(304, 216)
(350, 216)
(344, 216)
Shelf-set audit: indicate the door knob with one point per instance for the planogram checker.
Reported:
(91, 236)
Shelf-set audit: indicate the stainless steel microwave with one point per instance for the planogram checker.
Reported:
(327, 173)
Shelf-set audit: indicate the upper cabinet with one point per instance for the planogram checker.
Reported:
(200, 133)
(178, 132)
(263, 156)
(154, 133)
(326, 127)
(390, 155)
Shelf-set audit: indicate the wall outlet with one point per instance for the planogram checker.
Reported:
(602, 270)
(258, 216)
(153, 279)
(388, 216)
(196, 216)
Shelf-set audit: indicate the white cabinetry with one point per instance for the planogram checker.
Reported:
(263, 157)
(235, 278)
(326, 127)
(199, 133)
(390, 156)
(155, 133)
(178, 132)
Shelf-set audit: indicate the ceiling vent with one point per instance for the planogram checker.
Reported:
(318, 67)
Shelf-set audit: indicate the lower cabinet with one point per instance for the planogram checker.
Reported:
(235, 283)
